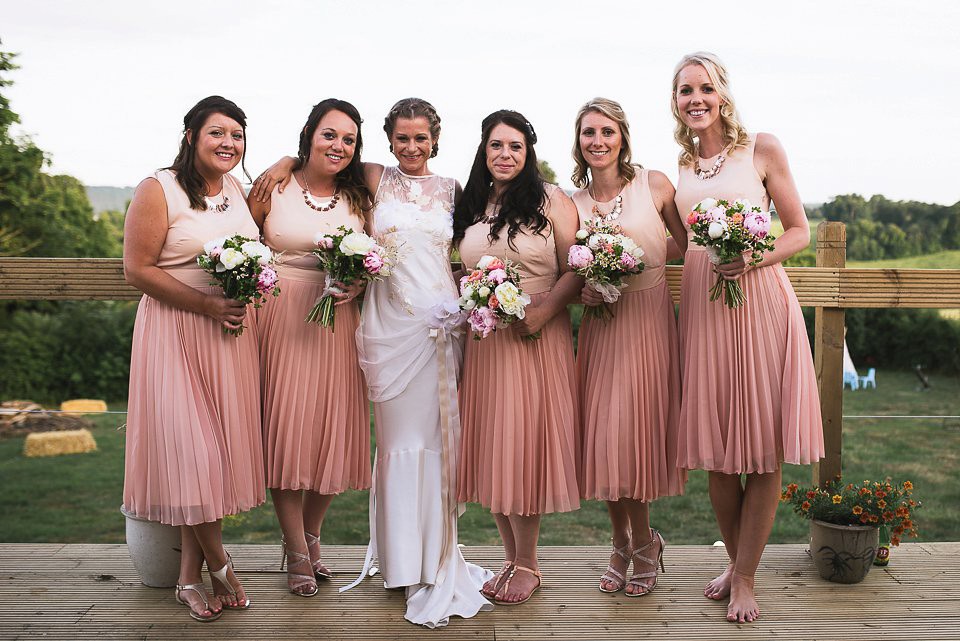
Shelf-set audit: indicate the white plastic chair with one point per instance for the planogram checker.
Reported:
(851, 379)
(870, 379)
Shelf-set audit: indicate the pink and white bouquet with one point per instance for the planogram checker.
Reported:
(347, 257)
(491, 296)
(604, 255)
(727, 231)
(243, 267)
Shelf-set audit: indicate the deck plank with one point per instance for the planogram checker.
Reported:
(55, 591)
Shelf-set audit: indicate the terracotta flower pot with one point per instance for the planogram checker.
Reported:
(843, 553)
(154, 549)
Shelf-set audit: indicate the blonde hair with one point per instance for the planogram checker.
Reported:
(612, 110)
(735, 135)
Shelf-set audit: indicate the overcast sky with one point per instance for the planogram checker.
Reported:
(863, 95)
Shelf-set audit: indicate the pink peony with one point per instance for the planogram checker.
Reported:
(497, 276)
(627, 261)
(267, 280)
(579, 256)
(483, 320)
(717, 214)
(372, 262)
(496, 263)
(325, 243)
(757, 223)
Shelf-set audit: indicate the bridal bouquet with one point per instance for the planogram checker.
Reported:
(243, 268)
(492, 297)
(728, 230)
(346, 256)
(604, 256)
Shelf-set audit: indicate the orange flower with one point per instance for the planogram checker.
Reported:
(864, 518)
(805, 505)
(879, 494)
(857, 510)
(850, 486)
(811, 494)
(894, 541)
(903, 511)
(737, 218)
(836, 499)
(492, 302)
(907, 523)
(888, 516)
(783, 496)
(908, 486)
(864, 491)
(874, 518)
(898, 530)
(793, 487)
(881, 504)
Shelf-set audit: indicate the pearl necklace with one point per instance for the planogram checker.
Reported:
(308, 197)
(713, 171)
(614, 213)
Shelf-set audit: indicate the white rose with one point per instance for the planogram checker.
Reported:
(581, 234)
(628, 245)
(511, 300)
(594, 241)
(470, 304)
(706, 203)
(230, 258)
(257, 250)
(484, 291)
(468, 291)
(716, 230)
(356, 243)
(210, 245)
(485, 261)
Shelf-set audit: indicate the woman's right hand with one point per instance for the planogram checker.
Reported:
(226, 311)
(590, 296)
(278, 174)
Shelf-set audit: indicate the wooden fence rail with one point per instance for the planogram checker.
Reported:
(830, 287)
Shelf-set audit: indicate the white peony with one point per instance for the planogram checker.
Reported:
(257, 250)
(468, 291)
(706, 203)
(356, 243)
(628, 245)
(511, 300)
(230, 259)
(716, 229)
(216, 243)
(485, 261)
(581, 234)
(484, 291)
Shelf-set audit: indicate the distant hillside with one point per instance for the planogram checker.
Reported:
(109, 198)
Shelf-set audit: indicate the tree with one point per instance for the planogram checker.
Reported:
(40, 214)
(547, 172)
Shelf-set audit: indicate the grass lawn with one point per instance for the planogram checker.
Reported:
(948, 259)
(75, 498)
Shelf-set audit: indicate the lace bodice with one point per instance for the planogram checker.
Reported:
(414, 217)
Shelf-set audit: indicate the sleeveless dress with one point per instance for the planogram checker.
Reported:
(628, 368)
(193, 451)
(316, 422)
(410, 345)
(518, 399)
(750, 399)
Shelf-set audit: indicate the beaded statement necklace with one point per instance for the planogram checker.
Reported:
(308, 197)
(713, 171)
(220, 207)
(614, 213)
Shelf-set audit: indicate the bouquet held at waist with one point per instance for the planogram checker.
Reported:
(605, 256)
(492, 297)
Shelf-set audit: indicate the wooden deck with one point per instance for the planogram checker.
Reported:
(55, 591)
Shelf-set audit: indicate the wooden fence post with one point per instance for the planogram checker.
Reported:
(828, 355)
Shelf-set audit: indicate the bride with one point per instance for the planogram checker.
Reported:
(410, 346)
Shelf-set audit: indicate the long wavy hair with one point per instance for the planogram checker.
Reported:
(185, 164)
(612, 110)
(522, 202)
(349, 180)
(735, 135)
(411, 108)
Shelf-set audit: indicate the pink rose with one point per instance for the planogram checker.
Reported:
(372, 262)
(627, 261)
(325, 242)
(579, 256)
(497, 276)
(483, 320)
(266, 280)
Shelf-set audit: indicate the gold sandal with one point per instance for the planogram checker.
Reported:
(506, 585)
(498, 579)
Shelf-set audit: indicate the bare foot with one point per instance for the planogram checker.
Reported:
(743, 606)
(519, 588)
(619, 560)
(491, 587)
(719, 588)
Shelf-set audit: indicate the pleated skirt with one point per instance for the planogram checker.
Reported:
(750, 399)
(628, 370)
(519, 418)
(316, 419)
(193, 444)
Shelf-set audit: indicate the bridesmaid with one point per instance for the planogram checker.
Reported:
(628, 367)
(316, 422)
(193, 452)
(518, 397)
(750, 400)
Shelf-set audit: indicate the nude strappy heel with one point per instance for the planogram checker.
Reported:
(618, 578)
(320, 571)
(300, 580)
(201, 590)
(634, 578)
(221, 576)
(506, 585)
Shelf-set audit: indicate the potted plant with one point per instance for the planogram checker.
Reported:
(845, 522)
(154, 549)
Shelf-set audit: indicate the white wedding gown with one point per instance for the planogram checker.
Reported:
(411, 346)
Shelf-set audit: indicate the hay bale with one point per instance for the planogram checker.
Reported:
(81, 406)
(56, 443)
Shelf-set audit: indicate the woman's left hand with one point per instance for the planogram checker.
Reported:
(734, 269)
(533, 321)
(348, 292)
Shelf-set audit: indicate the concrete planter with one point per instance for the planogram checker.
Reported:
(843, 553)
(154, 549)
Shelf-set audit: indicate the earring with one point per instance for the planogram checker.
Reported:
(391, 147)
